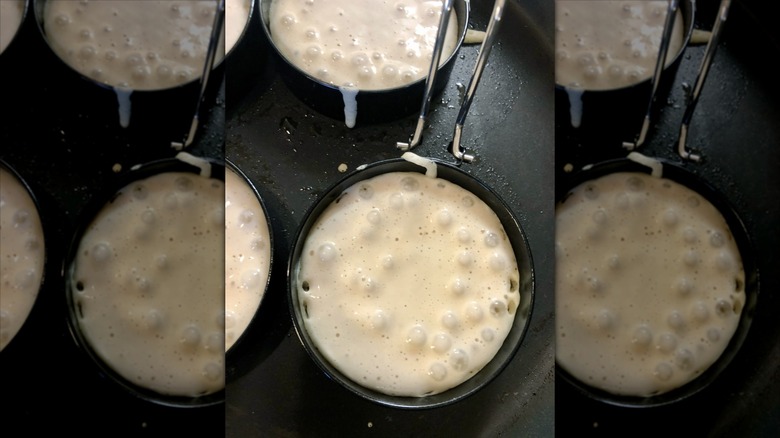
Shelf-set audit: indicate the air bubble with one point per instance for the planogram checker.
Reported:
(327, 252)
(365, 72)
(474, 312)
(312, 34)
(101, 252)
(459, 286)
(635, 184)
(459, 359)
(374, 216)
(416, 336)
(684, 286)
(491, 240)
(586, 59)
(724, 261)
(606, 319)
(592, 71)
(713, 335)
(497, 308)
(62, 20)
(213, 372)
(683, 358)
(450, 320)
(388, 262)
(722, 308)
(379, 320)
(465, 258)
(615, 71)
(464, 236)
(691, 258)
(153, 319)
(164, 71)
(599, 216)
(87, 52)
(134, 59)
(488, 334)
(667, 342)
(700, 312)
(359, 59)
(245, 218)
(444, 218)
(215, 342)
(671, 217)
(676, 321)
(497, 262)
(190, 336)
(389, 71)
(410, 184)
(184, 184)
(642, 337)
(148, 216)
(313, 52)
(437, 371)
(441, 343)
(288, 20)
(663, 371)
(717, 239)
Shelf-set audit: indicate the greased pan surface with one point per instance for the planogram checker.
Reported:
(293, 153)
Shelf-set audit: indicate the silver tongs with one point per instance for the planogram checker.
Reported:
(211, 54)
(712, 45)
(456, 148)
(682, 148)
(671, 14)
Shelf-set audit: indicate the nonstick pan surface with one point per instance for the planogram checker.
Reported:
(736, 128)
(293, 153)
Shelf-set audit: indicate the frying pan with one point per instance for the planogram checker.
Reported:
(742, 399)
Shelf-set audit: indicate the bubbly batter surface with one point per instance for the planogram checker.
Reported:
(368, 45)
(606, 44)
(21, 255)
(649, 284)
(132, 44)
(408, 284)
(247, 256)
(148, 283)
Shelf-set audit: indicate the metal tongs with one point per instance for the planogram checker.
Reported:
(211, 54)
(682, 148)
(457, 150)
